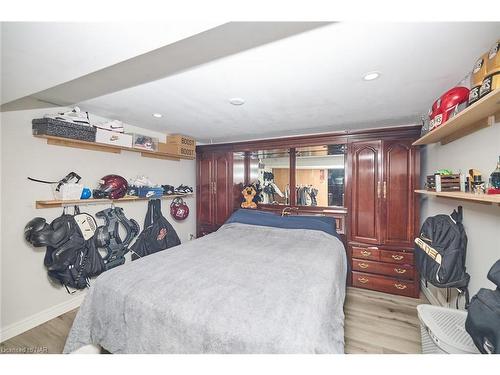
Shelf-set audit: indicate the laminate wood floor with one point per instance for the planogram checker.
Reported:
(374, 323)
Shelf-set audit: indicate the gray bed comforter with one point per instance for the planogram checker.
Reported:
(242, 289)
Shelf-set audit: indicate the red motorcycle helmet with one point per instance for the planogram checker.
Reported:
(448, 105)
(111, 186)
(178, 209)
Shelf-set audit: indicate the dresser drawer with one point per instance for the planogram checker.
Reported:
(397, 257)
(371, 253)
(383, 284)
(395, 270)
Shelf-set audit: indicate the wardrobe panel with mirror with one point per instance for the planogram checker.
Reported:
(320, 175)
(271, 171)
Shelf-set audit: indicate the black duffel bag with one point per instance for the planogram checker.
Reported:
(158, 234)
(483, 317)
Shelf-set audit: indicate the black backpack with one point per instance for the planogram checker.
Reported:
(158, 234)
(440, 252)
(483, 315)
(73, 262)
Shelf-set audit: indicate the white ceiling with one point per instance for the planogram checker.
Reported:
(310, 82)
(39, 55)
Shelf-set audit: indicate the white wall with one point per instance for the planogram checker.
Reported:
(479, 150)
(27, 296)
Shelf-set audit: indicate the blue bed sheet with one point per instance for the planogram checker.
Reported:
(255, 217)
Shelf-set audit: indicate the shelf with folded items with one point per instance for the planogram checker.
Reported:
(92, 201)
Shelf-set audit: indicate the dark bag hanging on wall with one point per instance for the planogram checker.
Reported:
(71, 258)
(483, 315)
(158, 234)
(440, 252)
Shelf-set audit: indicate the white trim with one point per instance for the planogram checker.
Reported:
(40, 318)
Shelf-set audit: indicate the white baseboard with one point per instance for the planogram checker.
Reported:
(40, 318)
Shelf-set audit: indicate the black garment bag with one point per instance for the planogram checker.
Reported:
(158, 234)
(483, 315)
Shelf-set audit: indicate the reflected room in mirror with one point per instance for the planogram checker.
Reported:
(238, 177)
(271, 168)
(320, 175)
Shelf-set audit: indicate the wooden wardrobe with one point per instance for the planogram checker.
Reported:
(214, 181)
(383, 215)
(379, 219)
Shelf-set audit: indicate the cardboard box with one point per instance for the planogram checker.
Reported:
(182, 140)
(113, 138)
(175, 149)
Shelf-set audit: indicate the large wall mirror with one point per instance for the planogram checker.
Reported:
(320, 175)
(271, 168)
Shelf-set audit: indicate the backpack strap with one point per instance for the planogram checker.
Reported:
(457, 215)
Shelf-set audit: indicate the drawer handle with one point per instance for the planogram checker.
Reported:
(400, 286)
(397, 257)
(363, 280)
(366, 253)
(372, 248)
(363, 265)
(400, 270)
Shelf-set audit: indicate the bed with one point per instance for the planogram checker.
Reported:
(260, 284)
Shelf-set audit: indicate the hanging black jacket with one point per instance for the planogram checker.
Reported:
(158, 234)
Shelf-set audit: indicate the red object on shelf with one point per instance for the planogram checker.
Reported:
(493, 191)
(448, 105)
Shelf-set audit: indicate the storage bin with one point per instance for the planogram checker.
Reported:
(68, 191)
(182, 140)
(181, 145)
(150, 192)
(58, 128)
(438, 183)
(113, 138)
(443, 331)
(145, 142)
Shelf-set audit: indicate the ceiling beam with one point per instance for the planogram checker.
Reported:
(199, 49)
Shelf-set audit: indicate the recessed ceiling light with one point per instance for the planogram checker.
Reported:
(237, 101)
(157, 115)
(371, 76)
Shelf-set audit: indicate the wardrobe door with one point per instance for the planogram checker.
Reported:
(397, 193)
(223, 187)
(204, 197)
(366, 172)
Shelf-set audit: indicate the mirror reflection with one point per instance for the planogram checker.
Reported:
(320, 175)
(271, 168)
